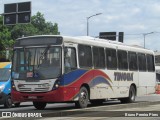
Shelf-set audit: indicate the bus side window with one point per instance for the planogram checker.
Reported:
(111, 58)
(85, 56)
(98, 57)
(132, 59)
(150, 63)
(69, 59)
(141, 62)
(122, 60)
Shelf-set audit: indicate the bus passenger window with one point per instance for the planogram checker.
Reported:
(150, 63)
(85, 56)
(98, 57)
(142, 62)
(69, 59)
(122, 60)
(111, 58)
(132, 59)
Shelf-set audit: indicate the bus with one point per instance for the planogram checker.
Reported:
(54, 69)
(5, 85)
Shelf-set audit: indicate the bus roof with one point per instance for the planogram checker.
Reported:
(97, 42)
(105, 43)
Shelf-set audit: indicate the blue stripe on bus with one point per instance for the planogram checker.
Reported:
(72, 76)
(98, 80)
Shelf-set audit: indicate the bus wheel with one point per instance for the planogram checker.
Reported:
(8, 102)
(97, 102)
(39, 105)
(132, 96)
(83, 98)
(17, 104)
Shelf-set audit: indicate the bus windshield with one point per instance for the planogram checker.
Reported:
(37, 63)
(4, 74)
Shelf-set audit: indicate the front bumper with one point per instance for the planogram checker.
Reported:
(59, 95)
(52, 96)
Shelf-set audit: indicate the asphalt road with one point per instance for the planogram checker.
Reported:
(27, 107)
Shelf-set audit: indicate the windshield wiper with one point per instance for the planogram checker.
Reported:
(34, 60)
(43, 54)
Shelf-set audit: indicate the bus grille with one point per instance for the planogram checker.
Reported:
(33, 89)
(25, 89)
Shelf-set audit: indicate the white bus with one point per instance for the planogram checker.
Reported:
(79, 69)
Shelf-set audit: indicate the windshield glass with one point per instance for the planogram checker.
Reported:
(37, 63)
(4, 74)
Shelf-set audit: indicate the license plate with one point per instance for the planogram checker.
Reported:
(32, 97)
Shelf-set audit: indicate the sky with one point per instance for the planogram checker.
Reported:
(133, 17)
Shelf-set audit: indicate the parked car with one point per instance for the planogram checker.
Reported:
(5, 85)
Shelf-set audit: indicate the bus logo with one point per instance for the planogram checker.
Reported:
(123, 76)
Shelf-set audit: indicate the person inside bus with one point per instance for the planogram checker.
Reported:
(67, 65)
(69, 59)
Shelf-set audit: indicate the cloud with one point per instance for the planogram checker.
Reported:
(133, 27)
(129, 16)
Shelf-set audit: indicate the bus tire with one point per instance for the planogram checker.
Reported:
(83, 98)
(97, 102)
(17, 104)
(8, 102)
(132, 95)
(39, 105)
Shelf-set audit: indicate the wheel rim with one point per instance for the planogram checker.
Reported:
(132, 95)
(83, 97)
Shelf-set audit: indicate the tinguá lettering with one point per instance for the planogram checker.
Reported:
(123, 76)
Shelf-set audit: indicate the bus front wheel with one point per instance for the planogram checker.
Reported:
(83, 98)
(8, 102)
(39, 105)
(17, 104)
(97, 102)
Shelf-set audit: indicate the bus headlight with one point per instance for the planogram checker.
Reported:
(2, 88)
(56, 84)
(13, 86)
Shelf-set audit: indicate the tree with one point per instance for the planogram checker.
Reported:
(44, 28)
(38, 22)
(21, 30)
(55, 29)
(6, 42)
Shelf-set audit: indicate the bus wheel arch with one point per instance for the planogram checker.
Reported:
(84, 95)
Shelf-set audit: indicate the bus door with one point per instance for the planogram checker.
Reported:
(70, 70)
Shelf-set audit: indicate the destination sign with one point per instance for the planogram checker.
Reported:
(34, 41)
